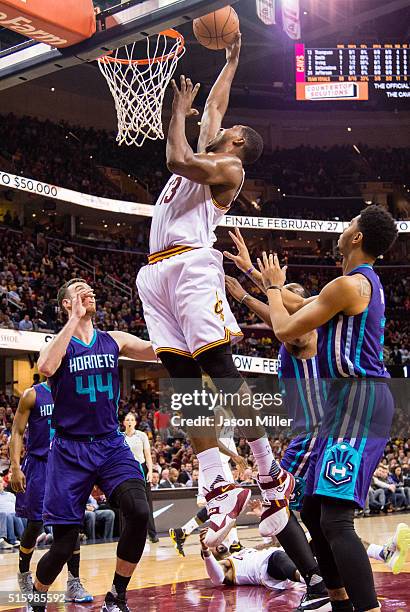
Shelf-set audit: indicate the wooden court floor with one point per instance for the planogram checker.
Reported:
(167, 582)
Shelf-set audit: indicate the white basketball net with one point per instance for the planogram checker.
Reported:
(138, 86)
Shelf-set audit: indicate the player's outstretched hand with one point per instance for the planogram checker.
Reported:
(234, 50)
(240, 463)
(235, 288)
(272, 273)
(242, 259)
(202, 535)
(18, 481)
(184, 97)
(255, 507)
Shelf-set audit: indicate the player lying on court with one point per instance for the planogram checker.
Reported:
(272, 568)
(35, 408)
(188, 317)
(81, 364)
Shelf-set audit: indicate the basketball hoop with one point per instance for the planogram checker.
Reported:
(138, 85)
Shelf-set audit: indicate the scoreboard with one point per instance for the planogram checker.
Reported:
(349, 71)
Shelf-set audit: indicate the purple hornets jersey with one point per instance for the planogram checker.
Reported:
(86, 388)
(40, 431)
(352, 346)
(303, 391)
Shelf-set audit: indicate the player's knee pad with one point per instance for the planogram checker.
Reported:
(31, 533)
(51, 564)
(310, 513)
(179, 366)
(280, 567)
(132, 500)
(218, 364)
(336, 519)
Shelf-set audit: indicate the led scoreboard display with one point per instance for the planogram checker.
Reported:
(347, 72)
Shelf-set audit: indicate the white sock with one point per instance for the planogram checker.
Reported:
(374, 552)
(267, 464)
(190, 526)
(231, 537)
(211, 467)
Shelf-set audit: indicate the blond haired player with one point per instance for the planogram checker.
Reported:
(189, 320)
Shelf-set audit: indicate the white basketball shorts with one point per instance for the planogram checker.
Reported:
(185, 306)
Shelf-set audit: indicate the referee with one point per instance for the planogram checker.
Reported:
(141, 449)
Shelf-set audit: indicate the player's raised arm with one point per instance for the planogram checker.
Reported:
(218, 99)
(133, 347)
(292, 301)
(206, 169)
(24, 408)
(337, 296)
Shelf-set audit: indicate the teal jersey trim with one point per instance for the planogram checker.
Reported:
(46, 387)
(93, 339)
(360, 342)
(329, 350)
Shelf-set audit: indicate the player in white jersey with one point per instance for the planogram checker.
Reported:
(272, 568)
(182, 289)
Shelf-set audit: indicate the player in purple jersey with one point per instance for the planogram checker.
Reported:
(28, 482)
(303, 396)
(359, 407)
(81, 364)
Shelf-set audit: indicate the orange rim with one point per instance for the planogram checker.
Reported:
(106, 59)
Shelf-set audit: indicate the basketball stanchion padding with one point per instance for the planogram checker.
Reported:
(138, 85)
(59, 23)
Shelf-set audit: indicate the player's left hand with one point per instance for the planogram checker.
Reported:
(272, 273)
(202, 535)
(240, 463)
(235, 288)
(184, 97)
(255, 507)
(18, 481)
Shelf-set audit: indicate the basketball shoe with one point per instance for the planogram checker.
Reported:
(224, 501)
(396, 549)
(25, 582)
(178, 536)
(115, 603)
(276, 494)
(76, 592)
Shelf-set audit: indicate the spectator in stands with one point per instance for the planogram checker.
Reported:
(155, 480)
(14, 524)
(402, 491)
(169, 479)
(161, 422)
(4, 455)
(382, 492)
(96, 518)
(25, 324)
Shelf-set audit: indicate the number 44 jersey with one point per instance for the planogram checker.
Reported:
(86, 388)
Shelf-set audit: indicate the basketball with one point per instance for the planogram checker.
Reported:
(218, 29)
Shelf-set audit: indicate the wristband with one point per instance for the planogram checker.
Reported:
(273, 287)
(251, 269)
(244, 298)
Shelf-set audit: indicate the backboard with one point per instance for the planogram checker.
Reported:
(118, 24)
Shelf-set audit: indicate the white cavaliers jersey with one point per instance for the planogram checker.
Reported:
(250, 567)
(185, 214)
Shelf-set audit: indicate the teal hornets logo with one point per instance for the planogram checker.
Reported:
(339, 469)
